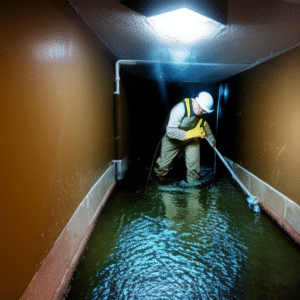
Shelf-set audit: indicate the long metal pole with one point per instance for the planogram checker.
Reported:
(229, 169)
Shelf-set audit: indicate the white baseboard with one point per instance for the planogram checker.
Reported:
(53, 277)
(282, 205)
(121, 167)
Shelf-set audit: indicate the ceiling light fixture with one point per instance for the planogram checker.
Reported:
(184, 25)
(213, 9)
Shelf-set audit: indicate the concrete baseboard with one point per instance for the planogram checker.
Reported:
(282, 209)
(53, 278)
(121, 167)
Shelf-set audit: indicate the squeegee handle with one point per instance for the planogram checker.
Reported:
(228, 167)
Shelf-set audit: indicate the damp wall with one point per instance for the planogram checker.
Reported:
(57, 134)
(259, 131)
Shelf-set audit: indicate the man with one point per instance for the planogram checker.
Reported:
(186, 125)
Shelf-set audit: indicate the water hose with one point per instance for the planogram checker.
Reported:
(252, 201)
(150, 171)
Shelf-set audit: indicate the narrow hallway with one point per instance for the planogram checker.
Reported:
(68, 139)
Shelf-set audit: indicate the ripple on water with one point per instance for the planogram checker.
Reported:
(194, 244)
(152, 259)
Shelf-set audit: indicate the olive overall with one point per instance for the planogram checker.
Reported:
(182, 119)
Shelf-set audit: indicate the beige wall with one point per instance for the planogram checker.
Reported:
(57, 129)
(268, 122)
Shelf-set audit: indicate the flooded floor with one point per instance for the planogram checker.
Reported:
(178, 242)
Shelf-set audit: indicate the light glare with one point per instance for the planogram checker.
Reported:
(55, 51)
(184, 25)
(179, 55)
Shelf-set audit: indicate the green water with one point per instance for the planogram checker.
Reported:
(174, 242)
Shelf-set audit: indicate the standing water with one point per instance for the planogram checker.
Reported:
(186, 242)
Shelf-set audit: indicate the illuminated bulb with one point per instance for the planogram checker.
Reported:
(184, 25)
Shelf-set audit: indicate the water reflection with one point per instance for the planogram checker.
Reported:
(188, 206)
(185, 244)
(171, 256)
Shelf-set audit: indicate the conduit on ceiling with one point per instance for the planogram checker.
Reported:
(210, 73)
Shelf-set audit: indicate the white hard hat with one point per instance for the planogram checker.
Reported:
(206, 101)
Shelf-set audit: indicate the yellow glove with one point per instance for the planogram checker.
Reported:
(197, 132)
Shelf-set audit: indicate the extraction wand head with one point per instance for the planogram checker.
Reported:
(253, 204)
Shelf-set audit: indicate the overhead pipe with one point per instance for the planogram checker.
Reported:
(117, 72)
(129, 62)
(135, 62)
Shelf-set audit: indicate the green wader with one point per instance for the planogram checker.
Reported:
(170, 148)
